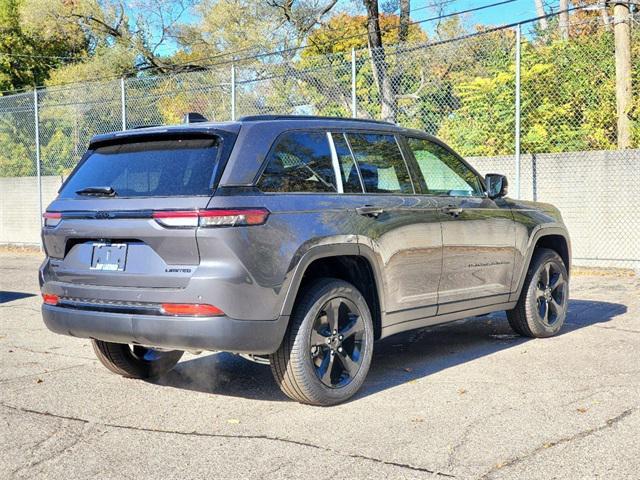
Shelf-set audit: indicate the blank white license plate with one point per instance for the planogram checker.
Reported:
(109, 257)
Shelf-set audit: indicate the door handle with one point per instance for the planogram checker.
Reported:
(369, 211)
(452, 210)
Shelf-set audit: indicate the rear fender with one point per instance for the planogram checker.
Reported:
(327, 251)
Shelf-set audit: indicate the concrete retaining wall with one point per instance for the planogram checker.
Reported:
(597, 192)
(19, 208)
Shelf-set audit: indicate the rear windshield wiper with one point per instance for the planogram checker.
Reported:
(98, 191)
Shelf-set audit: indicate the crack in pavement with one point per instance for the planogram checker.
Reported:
(22, 377)
(229, 436)
(618, 329)
(465, 436)
(47, 352)
(53, 455)
(578, 436)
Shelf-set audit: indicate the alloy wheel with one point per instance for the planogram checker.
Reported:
(337, 342)
(550, 293)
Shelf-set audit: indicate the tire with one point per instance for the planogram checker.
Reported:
(301, 363)
(136, 361)
(542, 307)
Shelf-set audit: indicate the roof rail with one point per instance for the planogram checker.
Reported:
(257, 118)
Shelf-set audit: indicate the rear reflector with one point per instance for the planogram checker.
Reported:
(50, 298)
(211, 217)
(191, 309)
(51, 219)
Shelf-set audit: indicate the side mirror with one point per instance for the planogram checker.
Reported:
(497, 185)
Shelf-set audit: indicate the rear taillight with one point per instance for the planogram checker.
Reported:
(211, 217)
(50, 298)
(51, 219)
(191, 309)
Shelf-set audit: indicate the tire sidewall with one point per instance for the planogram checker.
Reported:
(302, 343)
(120, 359)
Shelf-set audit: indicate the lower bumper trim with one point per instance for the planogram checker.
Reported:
(220, 333)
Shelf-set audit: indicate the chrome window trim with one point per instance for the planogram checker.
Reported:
(355, 162)
(336, 166)
(406, 165)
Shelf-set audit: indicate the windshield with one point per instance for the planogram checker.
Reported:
(156, 168)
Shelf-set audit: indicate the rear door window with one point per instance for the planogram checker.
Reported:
(158, 168)
(350, 177)
(299, 162)
(381, 164)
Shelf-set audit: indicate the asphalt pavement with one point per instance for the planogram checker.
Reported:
(467, 400)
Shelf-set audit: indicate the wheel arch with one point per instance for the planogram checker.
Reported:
(557, 243)
(346, 262)
(553, 238)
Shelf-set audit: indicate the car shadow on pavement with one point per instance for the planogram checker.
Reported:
(398, 359)
(6, 297)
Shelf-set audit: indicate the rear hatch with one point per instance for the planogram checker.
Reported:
(125, 215)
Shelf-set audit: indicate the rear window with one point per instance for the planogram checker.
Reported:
(158, 168)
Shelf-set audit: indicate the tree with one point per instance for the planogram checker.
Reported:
(121, 38)
(540, 12)
(564, 19)
(241, 28)
(405, 9)
(568, 101)
(325, 65)
(379, 62)
(26, 58)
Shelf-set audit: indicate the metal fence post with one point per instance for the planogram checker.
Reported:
(36, 119)
(233, 92)
(517, 119)
(123, 102)
(354, 98)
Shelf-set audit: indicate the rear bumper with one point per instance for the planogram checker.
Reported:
(179, 333)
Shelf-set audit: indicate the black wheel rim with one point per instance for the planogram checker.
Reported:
(147, 354)
(337, 342)
(551, 297)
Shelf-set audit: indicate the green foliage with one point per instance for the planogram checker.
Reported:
(567, 101)
(26, 58)
(461, 90)
(57, 154)
(16, 154)
(484, 122)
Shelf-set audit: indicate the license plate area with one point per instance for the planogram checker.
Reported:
(111, 257)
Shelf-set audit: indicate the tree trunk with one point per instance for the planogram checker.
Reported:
(564, 19)
(379, 63)
(541, 13)
(622, 34)
(405, 8)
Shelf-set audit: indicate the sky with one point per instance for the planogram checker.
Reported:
(517, 11)
(502, 15)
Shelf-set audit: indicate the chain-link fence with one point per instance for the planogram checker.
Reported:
(536, 107)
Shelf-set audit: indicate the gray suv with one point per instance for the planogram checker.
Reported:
(296, 240)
